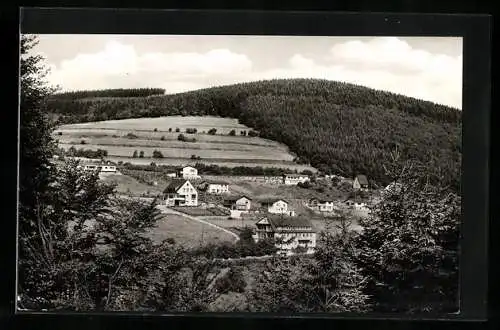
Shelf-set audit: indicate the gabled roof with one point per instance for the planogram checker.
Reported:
(272, 200)
(235, 198)
(362, 179)
(174, 185)
(277, 221)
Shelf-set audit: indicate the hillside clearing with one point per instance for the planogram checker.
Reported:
(186, 232)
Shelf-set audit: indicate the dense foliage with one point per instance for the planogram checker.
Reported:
(337, 127)
(87, 153)
(409, 246)
(120, 92)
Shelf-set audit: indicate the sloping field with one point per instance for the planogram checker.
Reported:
(127, 151)
(130, 186)
(120, 138)
(186, 232)
(223, 125)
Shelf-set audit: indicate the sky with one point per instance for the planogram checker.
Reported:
(428, 68)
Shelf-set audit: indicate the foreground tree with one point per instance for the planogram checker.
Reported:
(36, 150)
(409, 246)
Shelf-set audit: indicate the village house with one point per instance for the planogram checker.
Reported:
(98, 165)
(180, 192)
(171, 175)
(289, 233)
(322, 205)
(238, 203)
(294, 179)
(360, 183)
(276, 206)
(214, 187)
(188, 173)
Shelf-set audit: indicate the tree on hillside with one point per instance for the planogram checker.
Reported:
(177, 130)
(157, 154)
(141, 154)
(135, 154)
(409, 246)
(232, 133)
(212, 131)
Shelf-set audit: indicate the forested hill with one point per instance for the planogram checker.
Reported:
(336, 127)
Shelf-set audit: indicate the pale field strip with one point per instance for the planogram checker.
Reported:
(174, 143)
(164, 123)
(267, 155)
(169, 136)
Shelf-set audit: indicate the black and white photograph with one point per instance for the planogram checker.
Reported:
(239, 173)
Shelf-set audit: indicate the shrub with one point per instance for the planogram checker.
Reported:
(232, 133)
(305, 185)
(155, 130)
(83, 142)
(162, 138)
(170, 240)
(253, 133)
(157, 154)
(212, 131)
(233, 281)
(135, 154)
(59, 133)
(191, 130)
(141, 154)
(131, 136)
(177, 130)
(170, 129)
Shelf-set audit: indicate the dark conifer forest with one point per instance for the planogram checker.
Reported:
(336, 127)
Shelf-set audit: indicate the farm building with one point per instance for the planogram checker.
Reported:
(214, 187)
(188, 172)
(180, 192)
(290, 232)
(171, 175)
(322, 205)
(276, 206)
(360, 182)
(102, 167)
(239, 203)
(294, 179)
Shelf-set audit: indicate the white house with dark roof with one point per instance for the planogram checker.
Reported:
(188, 173)
(214, 187)
(238, 203)
(288, 232)
(294, 179)
(276, 206)
(360, 182)
(180, 192)
(322, 205)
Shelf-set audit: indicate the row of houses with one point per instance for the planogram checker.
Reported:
(191, 173)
